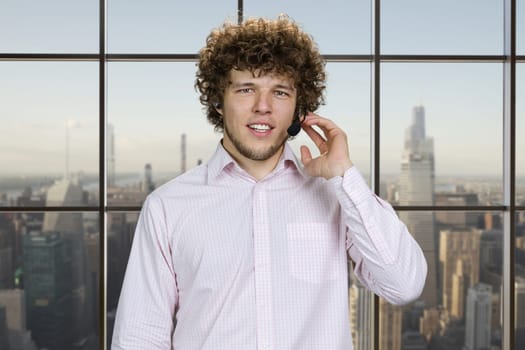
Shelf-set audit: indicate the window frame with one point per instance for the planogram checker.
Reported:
(509, 59)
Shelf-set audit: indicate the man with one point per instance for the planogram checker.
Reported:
(250, 250)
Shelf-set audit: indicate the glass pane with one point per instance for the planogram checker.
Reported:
(520, 27)
(520, 131)
(49, 137)
(349, 29)
(519, 286)
(461, 302)
(164, 26)
(120, 231)
(442, 27)
(441, 132)
(348, 105)
(53, 26)
(152, 108)
(49, 280)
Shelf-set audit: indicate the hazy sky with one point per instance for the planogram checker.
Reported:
(152, 104)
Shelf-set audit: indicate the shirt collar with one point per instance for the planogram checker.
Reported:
(222, 162)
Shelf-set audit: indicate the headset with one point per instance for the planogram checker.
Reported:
(294, 129)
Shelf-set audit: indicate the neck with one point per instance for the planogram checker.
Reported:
(258, 169)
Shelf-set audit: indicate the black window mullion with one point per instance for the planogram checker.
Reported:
(102, 174)
(509, 172)
(375, 133)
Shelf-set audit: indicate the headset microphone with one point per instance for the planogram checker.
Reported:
(294, 129)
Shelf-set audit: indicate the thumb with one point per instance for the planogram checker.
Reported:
(306, 155)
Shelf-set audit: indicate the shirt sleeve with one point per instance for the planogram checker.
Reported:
(387, 258)
(149, 293)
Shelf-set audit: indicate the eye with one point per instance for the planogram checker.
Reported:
(281, 93)
(245, 90)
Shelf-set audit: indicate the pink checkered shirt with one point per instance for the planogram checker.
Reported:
(221, 261)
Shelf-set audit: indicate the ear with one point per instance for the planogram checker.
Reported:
(218, 107)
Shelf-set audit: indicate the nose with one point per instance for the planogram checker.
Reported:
(263, 102)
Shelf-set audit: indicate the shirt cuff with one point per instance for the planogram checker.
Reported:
(353, 185)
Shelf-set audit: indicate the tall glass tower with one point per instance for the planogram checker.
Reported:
(478, 317)
(416, 187)
(71, 229)
(47, 279)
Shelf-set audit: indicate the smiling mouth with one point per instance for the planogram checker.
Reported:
(260, 127)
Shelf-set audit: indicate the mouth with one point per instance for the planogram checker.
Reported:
(260, 128)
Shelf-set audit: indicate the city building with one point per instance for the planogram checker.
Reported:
(429, 323)
(413, 341)
(416, 187)
(71, 228)
(478, 317)
(7, 257)
(491, 257)
(110, 158)
(183, 153)
(19, 337)
(459, 252)
(519, 306)
(47, 282)
(92, 243)
(64, 192)
(390, 326)
(361, 301)
(457, 218)
(519, 303)
(147, 181)
(4, 339)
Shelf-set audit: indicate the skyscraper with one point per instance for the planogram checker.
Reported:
(390, 326)
(429, 323)
(147, 182)
(457, 218)
(413, 341)
(519, 302)
(14, 300)
(4, 341)
(491, 258)
(361, 301)
(416, 187)
(48, 290)
(519, 315)
(182, 153)
(478, 317)
(7, 258)
(70, 226)
(459, 259)
(110, 160)
(64, 192)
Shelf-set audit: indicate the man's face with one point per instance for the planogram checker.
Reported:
(257, 112)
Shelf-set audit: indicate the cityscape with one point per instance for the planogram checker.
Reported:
(50, 271)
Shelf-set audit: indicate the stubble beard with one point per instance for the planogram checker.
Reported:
(252, 153)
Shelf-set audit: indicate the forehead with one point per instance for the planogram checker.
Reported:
(246, 76)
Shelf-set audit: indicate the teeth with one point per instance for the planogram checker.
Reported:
(259, 127)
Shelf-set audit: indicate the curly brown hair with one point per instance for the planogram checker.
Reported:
(260, 46)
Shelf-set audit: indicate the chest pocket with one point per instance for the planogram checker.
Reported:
(313, 251)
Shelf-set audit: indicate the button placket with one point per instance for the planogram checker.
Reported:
(262, 263)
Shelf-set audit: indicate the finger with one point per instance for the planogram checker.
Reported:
(326, 125)
(329, 129)
(316, 137)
